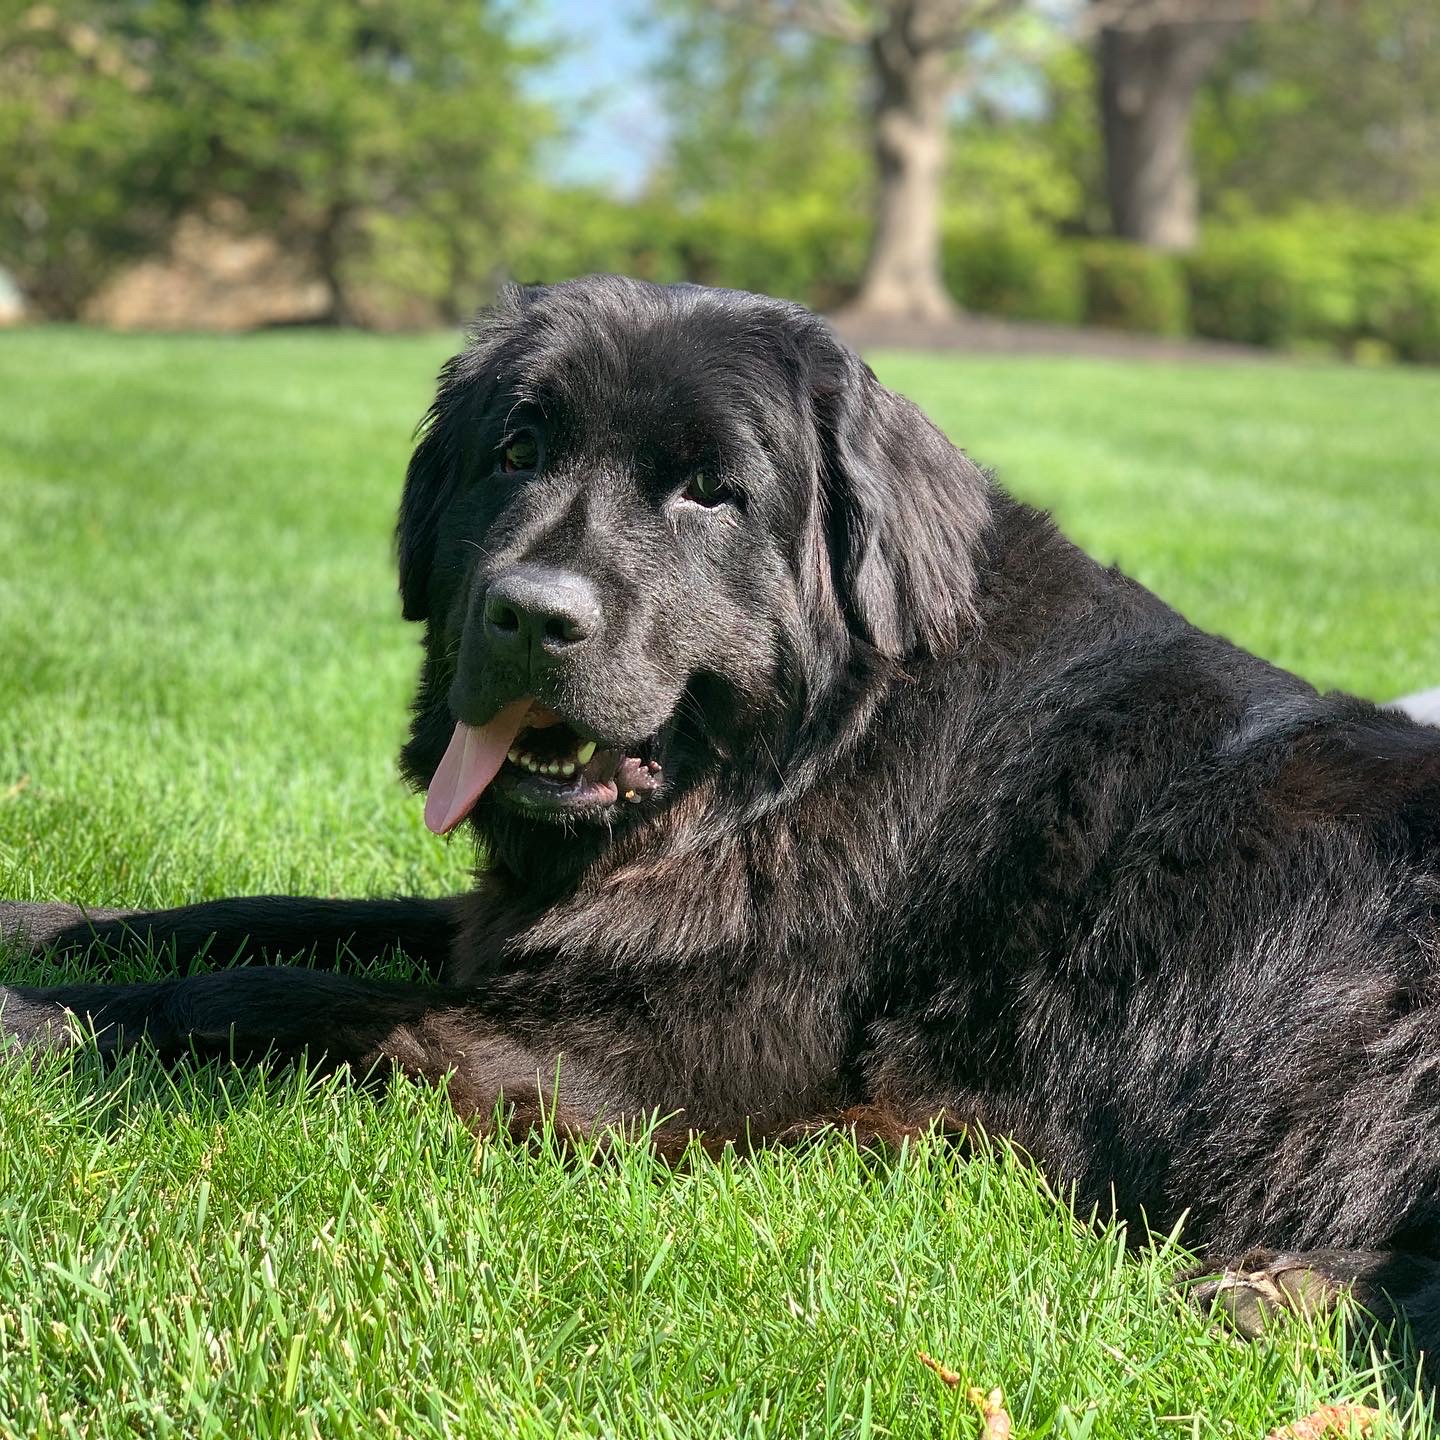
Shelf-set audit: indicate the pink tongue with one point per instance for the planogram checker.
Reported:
(471, 761)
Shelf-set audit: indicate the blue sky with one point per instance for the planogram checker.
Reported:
(620, 127)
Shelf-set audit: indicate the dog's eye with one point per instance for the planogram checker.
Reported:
(521, 453)
(705, 489)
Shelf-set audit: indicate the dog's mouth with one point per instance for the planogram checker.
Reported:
(540, 763)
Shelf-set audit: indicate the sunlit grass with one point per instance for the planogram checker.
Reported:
(203, 682)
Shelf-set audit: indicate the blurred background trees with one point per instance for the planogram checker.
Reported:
(1152, 57)
(382, 144)
(916, 55)
(1260, 170)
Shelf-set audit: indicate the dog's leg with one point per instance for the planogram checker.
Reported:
(529, 1030)
(270, 1013)
(587, 1073)
(428, 1033)
(247, 1012)
(1385, 1285)
(274, 927)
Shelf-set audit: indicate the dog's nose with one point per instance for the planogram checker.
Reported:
(540, 612)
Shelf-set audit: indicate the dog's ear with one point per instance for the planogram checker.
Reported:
(467, 381)
(906, 514)
(429, 483)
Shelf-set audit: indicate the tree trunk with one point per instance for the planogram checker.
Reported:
(912, 88)
(1148, 81)
(329, 256)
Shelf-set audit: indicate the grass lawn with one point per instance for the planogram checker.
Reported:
(204, 680)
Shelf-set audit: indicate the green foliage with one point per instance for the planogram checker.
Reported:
(1318, 279)
(1396, 267)
(756, 116)
(1331, 277)
(1130, 288)
(767, 159)
(1007, 175)
(88, 158)
(581, 232)
(1023, 272)
(1268, 284)
(762, 197)
(386, 141)
(1338, 108)
(393, 147)
(1037, 165)
(388, 128)
(800, 250)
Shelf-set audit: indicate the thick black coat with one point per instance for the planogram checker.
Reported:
(949, 818)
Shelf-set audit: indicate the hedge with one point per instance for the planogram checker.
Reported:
(1269, 288)
(1341, 279)
(1337, 280)
(1130, 288)
(1021, 273)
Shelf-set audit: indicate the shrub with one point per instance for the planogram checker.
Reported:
(1275, 283)
(1024, 273)
(1415, 326)
(1396, 269)
(581, 232)
(800, 249)
(1130, 288)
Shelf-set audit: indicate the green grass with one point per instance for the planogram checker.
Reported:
(204, 683)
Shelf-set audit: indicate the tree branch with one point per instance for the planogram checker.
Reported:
(930, 25)
(1136, 15)
(834, 19)
(962, 18)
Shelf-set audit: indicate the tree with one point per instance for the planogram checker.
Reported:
(1153, 56)
(1344, 110)
(368, 135)
(911, 49)
(88, 175)
(752, 114)
(328, 119)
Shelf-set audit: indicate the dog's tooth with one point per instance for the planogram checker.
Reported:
(552, 768)
(568, 768)
(531, 764)
(585, 753)
(513, 757)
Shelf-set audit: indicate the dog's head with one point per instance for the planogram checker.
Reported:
(653, 533)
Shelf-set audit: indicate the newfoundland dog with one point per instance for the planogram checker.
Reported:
(821, 781)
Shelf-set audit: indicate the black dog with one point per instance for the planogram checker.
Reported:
(815, 773)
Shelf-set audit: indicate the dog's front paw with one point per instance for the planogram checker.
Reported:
(32, 928)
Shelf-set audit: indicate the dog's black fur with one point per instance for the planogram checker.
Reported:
(948, 819)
